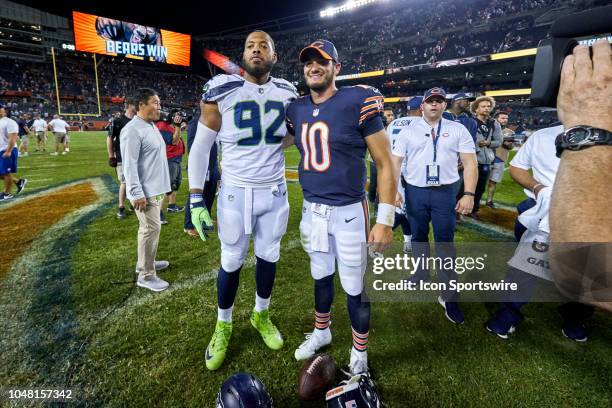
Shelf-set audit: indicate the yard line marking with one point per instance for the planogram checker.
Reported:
(134, 302)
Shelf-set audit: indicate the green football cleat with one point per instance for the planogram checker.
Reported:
(269, 333)
(215, 352)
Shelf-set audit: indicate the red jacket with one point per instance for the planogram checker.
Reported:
(172, 151)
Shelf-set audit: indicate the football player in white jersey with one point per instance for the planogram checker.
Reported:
(393, 130)
(246, 115)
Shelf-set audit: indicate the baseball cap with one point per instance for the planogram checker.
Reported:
(434, 92)
(414, 103)
(324, 48)
(462, 95)
(2, 105)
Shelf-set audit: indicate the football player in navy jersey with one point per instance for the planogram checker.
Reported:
(332, 129)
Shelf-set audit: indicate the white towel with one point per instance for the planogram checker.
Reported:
(536, 218)
(531, 255)
(319, 239)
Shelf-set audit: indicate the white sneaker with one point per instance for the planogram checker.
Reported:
(359, 362)
(159, 265)
(314, 341)
(407, 247)
(53, 154)
(67, 149)
(64, 153)
(152, 283)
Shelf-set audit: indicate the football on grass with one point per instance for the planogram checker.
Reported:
(316, 376)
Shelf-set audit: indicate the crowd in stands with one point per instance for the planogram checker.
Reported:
(419, 32)
(77, 85)
(414, 32)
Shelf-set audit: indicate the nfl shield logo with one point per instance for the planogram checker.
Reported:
(350, 404)
(261, 90)
(230, 197)
(315, 112)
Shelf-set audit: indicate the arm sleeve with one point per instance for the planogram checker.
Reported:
(200, 155)
(522, 160)
(370, 112)
(130, 153)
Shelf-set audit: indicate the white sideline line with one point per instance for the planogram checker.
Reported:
(62, 165)
(32, 181)
(205, 277)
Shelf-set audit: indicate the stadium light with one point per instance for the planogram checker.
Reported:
(349, 5)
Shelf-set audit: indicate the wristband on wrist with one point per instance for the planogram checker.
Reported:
(536, 186)
(195, 197)
(469, 193)
(385, 214)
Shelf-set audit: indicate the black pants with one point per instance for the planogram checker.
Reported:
(372, 196)
(484, 170)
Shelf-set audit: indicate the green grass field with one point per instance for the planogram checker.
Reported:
(71, 317)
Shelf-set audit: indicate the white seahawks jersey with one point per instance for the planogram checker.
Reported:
(393, 130)
(252, 128)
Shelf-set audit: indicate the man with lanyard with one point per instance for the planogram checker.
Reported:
(488, 138)
(431, 176)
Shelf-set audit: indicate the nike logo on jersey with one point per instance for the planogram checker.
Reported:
(347, 221)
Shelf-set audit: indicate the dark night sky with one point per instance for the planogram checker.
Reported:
(190, 17)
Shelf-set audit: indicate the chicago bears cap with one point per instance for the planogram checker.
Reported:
(323, 48)
(434, 92)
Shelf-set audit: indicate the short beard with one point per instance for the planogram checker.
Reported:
(323, 86)
(257, 71)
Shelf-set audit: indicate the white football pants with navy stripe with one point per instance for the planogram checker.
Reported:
(262, 212)
(343, 234)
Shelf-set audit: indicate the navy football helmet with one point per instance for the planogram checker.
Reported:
(243, 390)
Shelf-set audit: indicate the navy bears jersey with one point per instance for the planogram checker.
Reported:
(331, 139)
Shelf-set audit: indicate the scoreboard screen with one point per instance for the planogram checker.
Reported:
(108, 36)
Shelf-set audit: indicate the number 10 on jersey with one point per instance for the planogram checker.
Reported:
(315, 142)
